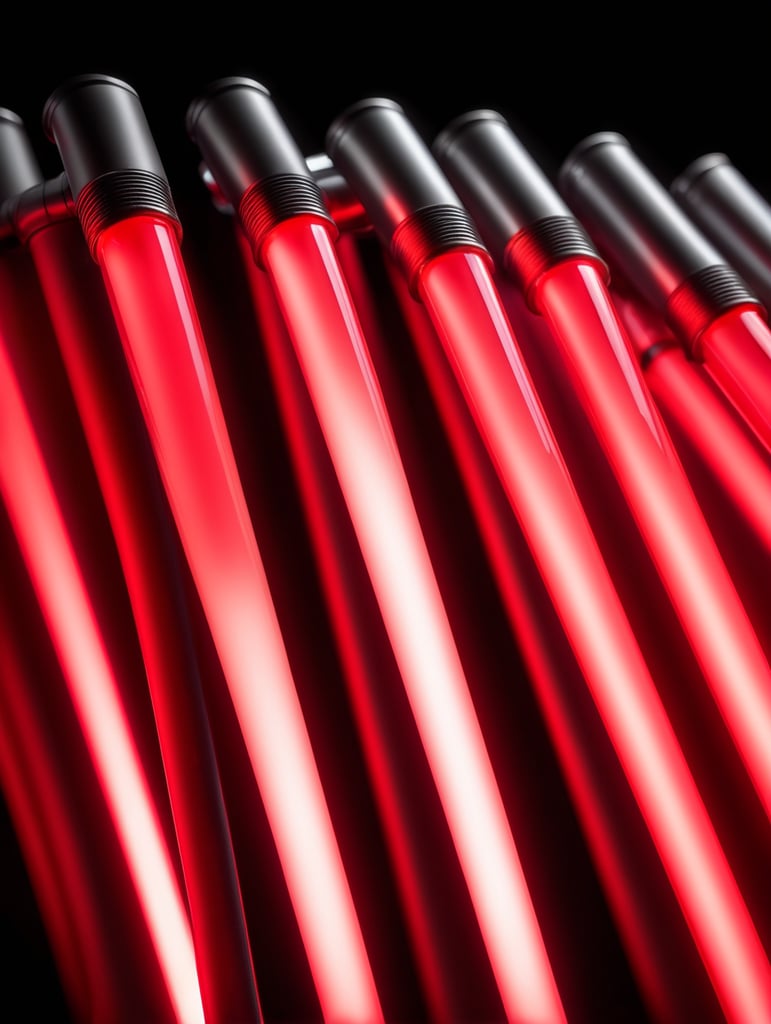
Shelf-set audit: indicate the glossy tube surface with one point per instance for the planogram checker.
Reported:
(36, 794)
(573, 299)
(89, 906)
(736, 349)
(642, 916)
(467, 313)
(322, 322)
(42, 535)
(371, 674)
(684, 392)
(153, 307)
(131, 488)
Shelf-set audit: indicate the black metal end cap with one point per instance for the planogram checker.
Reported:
(499, 181)
(521, 216)
(388, 165)
(447, 136)
(218, 85)
(99, 126)
(253, 158)
(572, 163)
(407, 197)
(688, 177)
(242, 136)
(341, 123)
(733, 214)
(109, 155)
(633, 219)
(19, 168)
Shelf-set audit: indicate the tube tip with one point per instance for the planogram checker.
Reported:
(339, 126)
(69, 86)
(687, 178)
(572, 161)
(10, 117)
(215, 88)
(444, 140)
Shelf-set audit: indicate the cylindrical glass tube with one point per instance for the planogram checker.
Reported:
(321, 319)
(156, 317)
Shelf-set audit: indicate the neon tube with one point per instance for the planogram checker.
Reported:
(137, 249)
(565, 282)
(385, 729)
(42, 536)
(683, 392)
(736, 349)
(618, 852)
(665, 508)
(65, 827)
(38, 851)
(448, 269)
(644, 741)
(148, 556)
(647, 919)
(292, 238)
(33, 788)
(136, 508)
(641, 229)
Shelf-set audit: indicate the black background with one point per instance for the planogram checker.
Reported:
(676, 82)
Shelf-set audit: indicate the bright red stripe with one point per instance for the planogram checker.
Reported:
(321, 319)
(164, 346)
(42, 536)
(736, 349)
(468, 315)
(597, 354)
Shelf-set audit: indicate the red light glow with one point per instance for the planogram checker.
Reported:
(28, 777)
(552, 675)
(391, 769)
(689, 398)
(468, 316)
(599, 357)
(143, 534)
(39, 527)
(690, 401)
(321, 320)
(156, 317)
(736, 349)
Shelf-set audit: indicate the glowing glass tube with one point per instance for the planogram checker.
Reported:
(292, 237)
(130, 224)
(431, 237)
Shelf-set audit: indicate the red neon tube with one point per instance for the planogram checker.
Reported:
(39, 853)
(565, 283)
(42, 535)
(661, 252)
(449, 271)
(136, 508)
(736, 350)
(736, 218)
(643, 736)
(385, 728)
(294, 244)
(642, 454)
(34, 790)
(685, 395)
(65, 827)
(149, 292)
(146, 546)
(640, 908)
